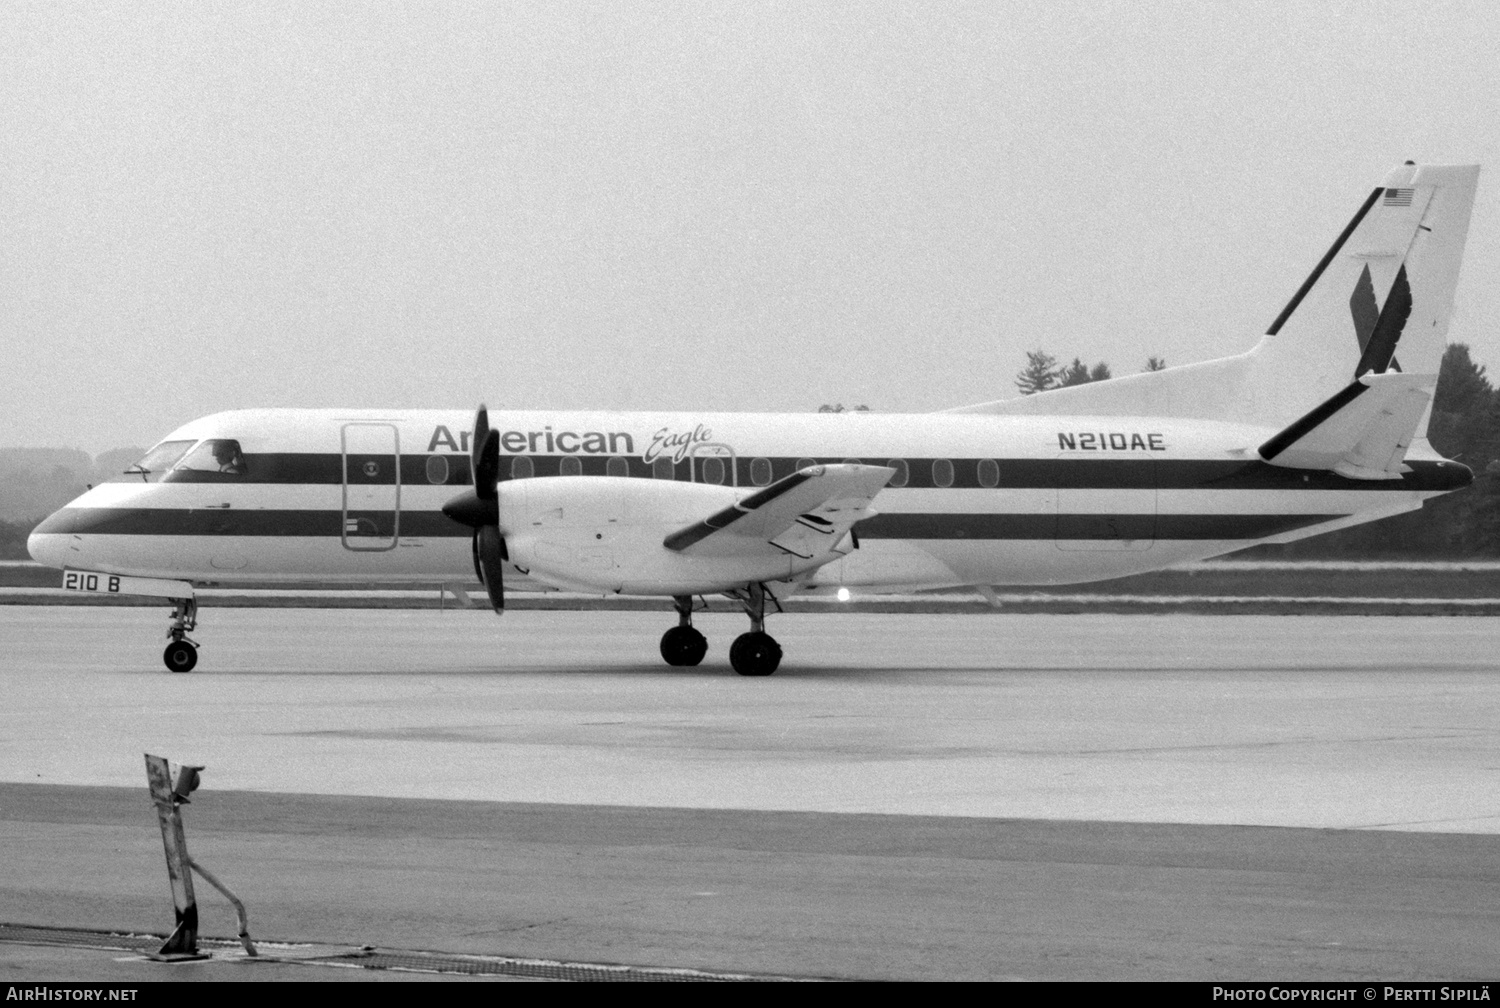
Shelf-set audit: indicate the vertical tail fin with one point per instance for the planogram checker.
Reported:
(1379, 300)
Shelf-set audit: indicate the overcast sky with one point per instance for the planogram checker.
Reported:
(635, 205)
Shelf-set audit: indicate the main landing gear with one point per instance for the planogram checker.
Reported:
(182, 653)
(755, 653)
(752, 654)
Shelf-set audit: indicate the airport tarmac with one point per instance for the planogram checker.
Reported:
(1377, 722)
(909, 796)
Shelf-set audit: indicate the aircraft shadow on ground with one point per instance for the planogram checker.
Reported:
(795, 670)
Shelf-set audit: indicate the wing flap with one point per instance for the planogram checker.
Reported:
(805, 514)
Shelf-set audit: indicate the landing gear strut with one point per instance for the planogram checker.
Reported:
(755, 653)
(182, 653)
(683, 645)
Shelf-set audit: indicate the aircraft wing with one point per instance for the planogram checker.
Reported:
(805, 514)
(1363, 432)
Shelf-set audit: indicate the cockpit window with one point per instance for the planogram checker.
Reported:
(217, 455)
(157, 461)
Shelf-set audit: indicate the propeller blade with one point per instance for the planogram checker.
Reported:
(489, 556)
(487, 466)
(479, 509)
(481, 432)
(480, 506)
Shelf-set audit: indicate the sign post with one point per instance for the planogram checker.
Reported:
(182, 944)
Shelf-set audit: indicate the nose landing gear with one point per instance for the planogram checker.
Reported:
(182, 653)
(683, 644)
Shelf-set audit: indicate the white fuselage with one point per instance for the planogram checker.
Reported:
(354, 496)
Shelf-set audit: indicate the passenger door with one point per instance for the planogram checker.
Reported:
(372, 486)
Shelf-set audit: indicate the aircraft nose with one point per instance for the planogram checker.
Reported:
(50, 546)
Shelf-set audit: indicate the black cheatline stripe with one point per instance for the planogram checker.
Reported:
(1102, 473)
(1083, 526)
(257, 522)
(1317, 272)
(327, 469)
(1258, 475)
(1312, 420)
(434, 524)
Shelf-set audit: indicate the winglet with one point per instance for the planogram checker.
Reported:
(1363, 431)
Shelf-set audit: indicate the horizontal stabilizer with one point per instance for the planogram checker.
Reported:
(1362, 432)
(805, 514)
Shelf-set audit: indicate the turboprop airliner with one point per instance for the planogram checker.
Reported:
(1320, 426)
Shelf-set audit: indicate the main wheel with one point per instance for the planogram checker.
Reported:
(755, 653)
(180, 656)
(683, 645)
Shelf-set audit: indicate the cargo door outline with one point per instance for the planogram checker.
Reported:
(371, 518)
(1093, 516)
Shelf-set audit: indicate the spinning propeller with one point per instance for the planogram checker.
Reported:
(480, 510)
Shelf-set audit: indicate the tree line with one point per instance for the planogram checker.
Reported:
(1043, 372)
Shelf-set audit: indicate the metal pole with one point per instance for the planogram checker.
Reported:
(183, 942)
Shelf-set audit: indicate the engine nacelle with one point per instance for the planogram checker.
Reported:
(604, 534)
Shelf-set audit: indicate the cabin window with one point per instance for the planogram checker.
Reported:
(760, 471)
(902, 473)
(663, 468)
(521, 467)
(617, 466)
(218, 455)
(989, 473)
(437, 469)
(712, 470)
(570, 466)
(157, 461)
(804, 463)
(942, 473)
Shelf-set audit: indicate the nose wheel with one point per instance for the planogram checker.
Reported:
(182, 653)
(180, 656)
(683, 644)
